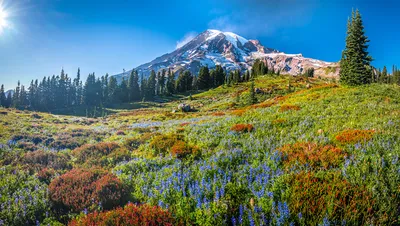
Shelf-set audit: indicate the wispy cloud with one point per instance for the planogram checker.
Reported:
(263, 17)
(187, 38)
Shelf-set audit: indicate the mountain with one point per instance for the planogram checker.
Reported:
(9, 91)
(213, 47)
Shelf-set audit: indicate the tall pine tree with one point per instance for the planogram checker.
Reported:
(355, 66)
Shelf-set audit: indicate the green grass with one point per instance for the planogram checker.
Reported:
(360, 187)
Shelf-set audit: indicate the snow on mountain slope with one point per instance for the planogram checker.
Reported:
(232, 51)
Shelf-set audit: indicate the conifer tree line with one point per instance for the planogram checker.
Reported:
(62, 92)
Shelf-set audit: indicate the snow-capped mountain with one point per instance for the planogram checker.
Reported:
(231, 51)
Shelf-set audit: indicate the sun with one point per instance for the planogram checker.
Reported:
(3, 19)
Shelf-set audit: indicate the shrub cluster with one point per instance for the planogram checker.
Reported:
(181, 149)
(289, 107)
(162, 144)
(242, 128)
(103, 154)
(83, 188)
(353, 136)
(311, 154)
(316, 196)
(129, 215)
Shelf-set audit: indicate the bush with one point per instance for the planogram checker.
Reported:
(83, 188)
(289, 107)
(91, 153)
(353, 136)
(161, 144)
(134, 142)
(129, 215)
(311, 154)
(182, 149)
(46, 175)
(238, 112)
(42, 159)
(329, 195)
(245, 128)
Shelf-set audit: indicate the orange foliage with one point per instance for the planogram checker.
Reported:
(242, 128)
(314, 195)
(316, 156)
(182, 149)
(288, 107)
(352, 136)
(279, 121)
(218, 114)
(238, 112)
(129, 215)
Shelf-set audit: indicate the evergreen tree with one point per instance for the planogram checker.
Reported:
(16, 96)
(384, 75)
(9, 100)
(133, 86)
(78, 88)
(355, 62)
(219, 75)
(3, 97)
(162, 81)
(23, 98)
(170, 85)
(112, 91)
(151, 86)
(123, 91)
(204, 80)
(247, 76)
(213, 76)
(143, 89)
(252, 97)
(236, 76)
(184, 82)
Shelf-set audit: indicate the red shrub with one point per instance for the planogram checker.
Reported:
(352, 136)
(218, 114)
(163, 143)
(315, 196)
(238, 112)
(83, 188)
(129, 215)
(289, 107)
(242, 128)
(182, 149)
(46, 175)
(184, 124)
(316, 156)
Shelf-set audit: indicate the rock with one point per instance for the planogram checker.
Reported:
(320, 131)
(184, 107)
(308, 86)
(258, 90)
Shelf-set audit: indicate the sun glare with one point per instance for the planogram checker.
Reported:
(3, 19)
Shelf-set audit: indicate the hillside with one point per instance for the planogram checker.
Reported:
(312, 153)
(232, 52)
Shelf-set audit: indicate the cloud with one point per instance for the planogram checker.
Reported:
(263, 17)
(187, 38)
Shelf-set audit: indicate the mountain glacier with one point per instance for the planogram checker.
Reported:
(232, 52)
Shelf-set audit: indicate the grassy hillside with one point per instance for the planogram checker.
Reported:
(310, 152)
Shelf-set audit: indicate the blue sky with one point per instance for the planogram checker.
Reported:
(98, 36)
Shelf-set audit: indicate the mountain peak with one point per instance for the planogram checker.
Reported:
(233, 52)
(230, 36)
